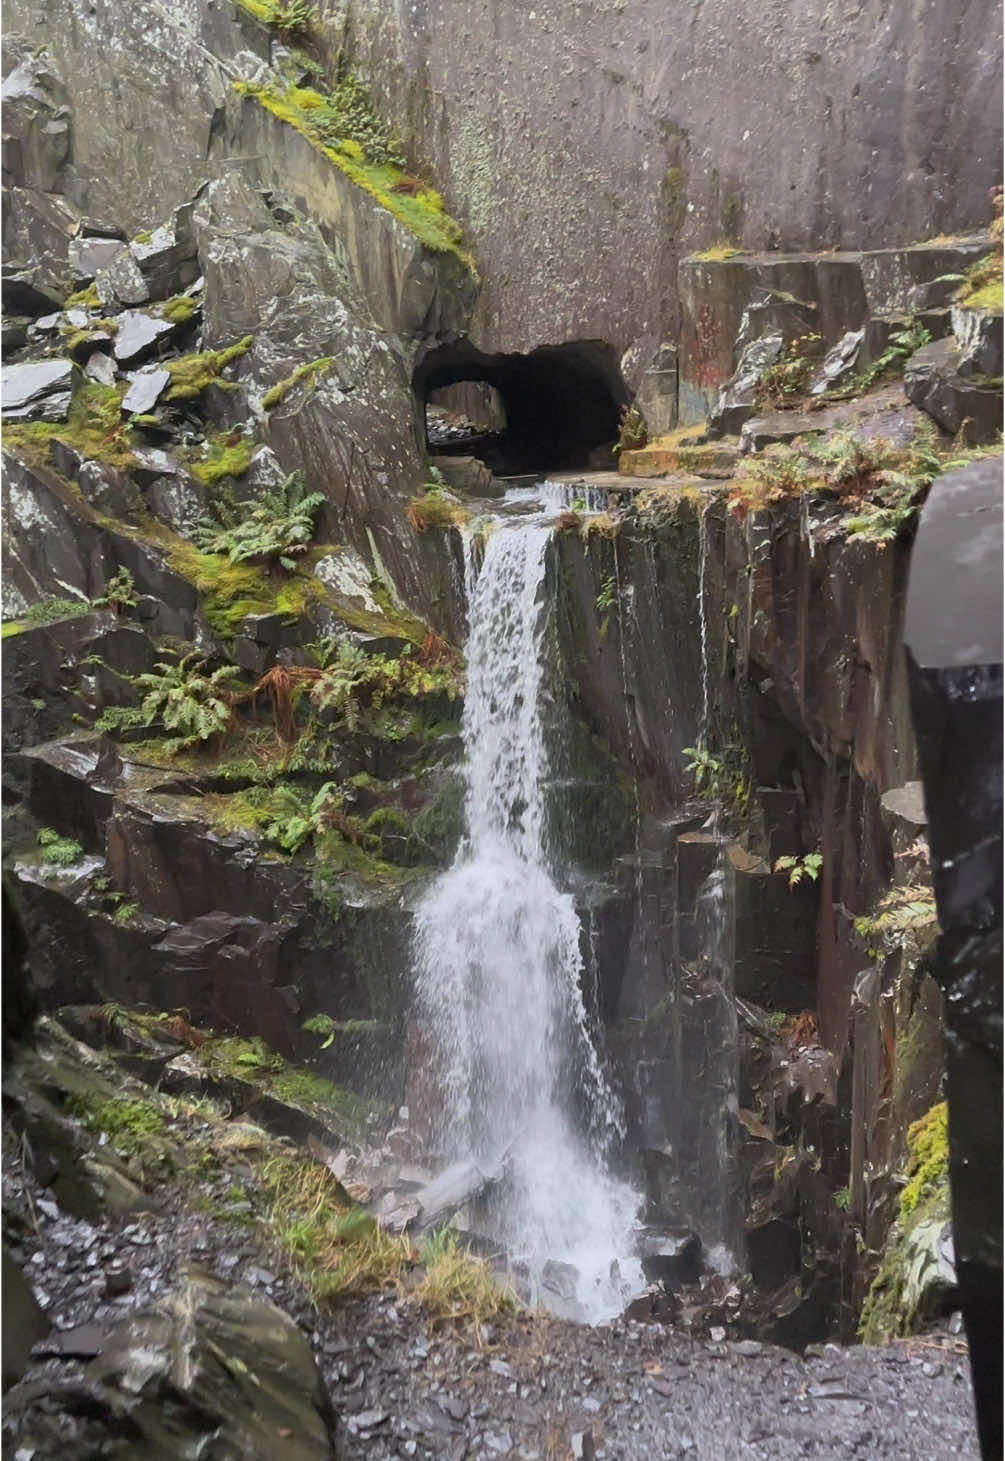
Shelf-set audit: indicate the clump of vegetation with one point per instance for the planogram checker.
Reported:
(347, 114)
(981, 285)
(927, 1157)
(901, 346)
(278, 527)
(119, 594)
(178, 697)
(435, 509)
(355, 685)
(306, 374)
(907, 912)
(319, 117)
(191, 374)
(894, 1303)
(134, 1127)
(226, 455)
(723, 778)
(788, 378)
(179, 309)
(336, 1251)
(58, 851)
(798, 868)
(50, 611)
(292, 19)
(720, 250)
(86, 298)
(633, 434)
(94, 426)
(457, 1286)
(844, 466)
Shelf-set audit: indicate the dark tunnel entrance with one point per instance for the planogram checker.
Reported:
(556, 408)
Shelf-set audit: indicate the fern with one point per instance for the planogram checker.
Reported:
(181, 698)
(278, 527)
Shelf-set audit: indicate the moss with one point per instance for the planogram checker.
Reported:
(224, 457)
(133, 1127)
(191, 374)
(719, 251)
(84, 299)
(306, 374)
(421, 212)
(893, 1306)
(179, 308)
(144, 238)
(928, 1157)
(436, 510)
(93, 426)
(987, 297)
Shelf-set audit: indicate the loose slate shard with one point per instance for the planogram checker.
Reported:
(24, 383)
(145, 390)
(138, 333)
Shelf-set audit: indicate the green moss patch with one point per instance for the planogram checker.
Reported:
(900, 1297)
(306, 375)
(226, 455)
(191, 374)
(93, 427)
(928, 1158)
(421, 211)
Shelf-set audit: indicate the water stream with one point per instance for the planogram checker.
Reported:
(499, 963)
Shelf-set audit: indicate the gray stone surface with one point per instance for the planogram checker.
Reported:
(55, 407)
(138, 333)
(144, 390)
(660, 128)
(23, 383)
(101, 367)
(933, 381)
(736, 402)
(88, 255)
(120, 281)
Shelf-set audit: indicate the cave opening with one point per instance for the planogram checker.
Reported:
(555, 408)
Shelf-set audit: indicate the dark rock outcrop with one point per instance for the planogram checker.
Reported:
(954, 639)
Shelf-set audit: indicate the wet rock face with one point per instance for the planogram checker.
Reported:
(212, 1364)
(953, 635)
(666, 116)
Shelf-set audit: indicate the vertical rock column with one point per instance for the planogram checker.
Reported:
(954, 644)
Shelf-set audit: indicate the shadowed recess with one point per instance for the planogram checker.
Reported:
(561, 402)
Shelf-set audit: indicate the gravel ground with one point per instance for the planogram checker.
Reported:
(527, 1387)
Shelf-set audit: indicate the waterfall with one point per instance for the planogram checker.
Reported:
(499, 966)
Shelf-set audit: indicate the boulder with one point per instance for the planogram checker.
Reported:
(838, 365)
(211, 1369)
(89, 256)
(167, 257)
(737, 400)
(120, 282)
(978, 333)
(932, 381)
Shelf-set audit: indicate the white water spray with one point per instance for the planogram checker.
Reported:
(499, 964)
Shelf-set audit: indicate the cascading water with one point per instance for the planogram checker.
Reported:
(500, 968)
